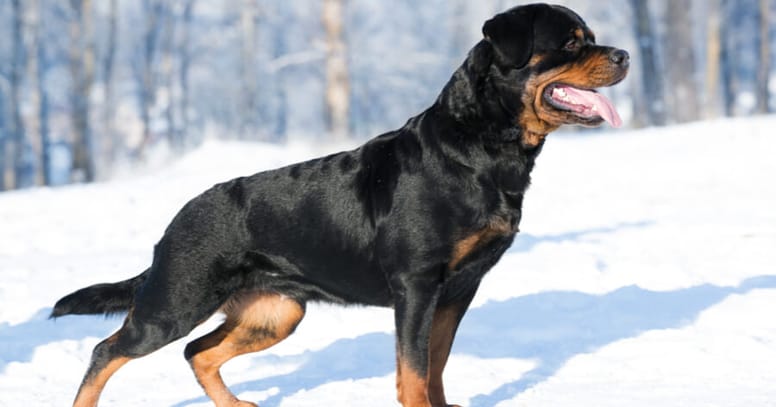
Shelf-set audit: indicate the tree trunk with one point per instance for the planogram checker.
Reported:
(37, 122)
(168, 45)
(82, 71)
(43, 114)
(112, 141)
(280, 114)
(681, 68)
(337, 81)
(152, 9)
(248, 97)
(183, 74)
(713, 49)
(3, 160)
(21, 177)
(727, 57)
(651, 79)
(764, 66)
(15, 131)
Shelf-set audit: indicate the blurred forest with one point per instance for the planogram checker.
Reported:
(87, 86)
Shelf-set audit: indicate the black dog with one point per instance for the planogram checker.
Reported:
(411, 220)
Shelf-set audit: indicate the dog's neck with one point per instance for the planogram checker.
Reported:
(465, 100)
(462, 96)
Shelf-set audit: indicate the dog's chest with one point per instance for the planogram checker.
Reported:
(474, 255)
(469, 245)
(476, 250)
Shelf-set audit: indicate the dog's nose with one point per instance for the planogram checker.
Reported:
(620, 57)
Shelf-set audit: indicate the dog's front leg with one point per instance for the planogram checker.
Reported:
(415, 302)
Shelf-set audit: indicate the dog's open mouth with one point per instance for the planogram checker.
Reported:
(587, 104)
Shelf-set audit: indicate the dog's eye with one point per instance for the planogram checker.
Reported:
(572, 44)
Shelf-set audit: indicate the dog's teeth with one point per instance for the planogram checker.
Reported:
(560, 94)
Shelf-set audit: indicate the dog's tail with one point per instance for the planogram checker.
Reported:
(107, 298)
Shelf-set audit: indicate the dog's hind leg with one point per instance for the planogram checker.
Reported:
(138, 337)
(104, 363)
(254, 321)
(161, 314)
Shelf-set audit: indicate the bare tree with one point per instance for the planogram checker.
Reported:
(43, 111)
(37, 120)
(32, 125)
(652, 98)
(249, 89)
(111, 140)
(144, 73)
(681, 69)
(764, 54)
(3, 159)
(713, 49)
(337, 80)
(185, 64)
(167, 73)
(82, 73)
(18, 132)
(727, 57)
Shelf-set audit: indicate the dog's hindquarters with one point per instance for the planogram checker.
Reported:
(159, 315)
(190, 278)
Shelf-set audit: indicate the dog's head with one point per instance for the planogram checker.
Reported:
(546, 65)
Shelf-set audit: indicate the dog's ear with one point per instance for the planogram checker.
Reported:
(511, 34)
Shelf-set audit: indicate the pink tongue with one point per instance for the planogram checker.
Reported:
(590, 99)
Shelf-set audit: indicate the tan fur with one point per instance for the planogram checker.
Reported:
(496, 227)
(444, 325)
(254, 321)
(537, 119)
(89, 392)
(411, 387)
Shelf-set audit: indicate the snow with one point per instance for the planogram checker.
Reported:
(644, 275)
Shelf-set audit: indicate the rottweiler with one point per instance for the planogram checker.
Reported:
(412, 220)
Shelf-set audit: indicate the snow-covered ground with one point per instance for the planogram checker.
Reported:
(645, 275)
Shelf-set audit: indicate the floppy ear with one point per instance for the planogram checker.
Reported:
(511, 34)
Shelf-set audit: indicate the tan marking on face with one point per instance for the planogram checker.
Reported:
(536, 59)
(538, 119)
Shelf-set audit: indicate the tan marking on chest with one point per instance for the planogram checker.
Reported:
(496, 228)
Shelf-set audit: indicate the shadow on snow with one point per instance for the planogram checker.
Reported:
(549, 328)
(18, 342)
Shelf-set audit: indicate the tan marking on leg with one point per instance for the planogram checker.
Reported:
(411, 387)
(442, 333)
(255, 321)
(89, 392)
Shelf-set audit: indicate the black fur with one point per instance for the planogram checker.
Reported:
(412, 220)
(107, 298)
